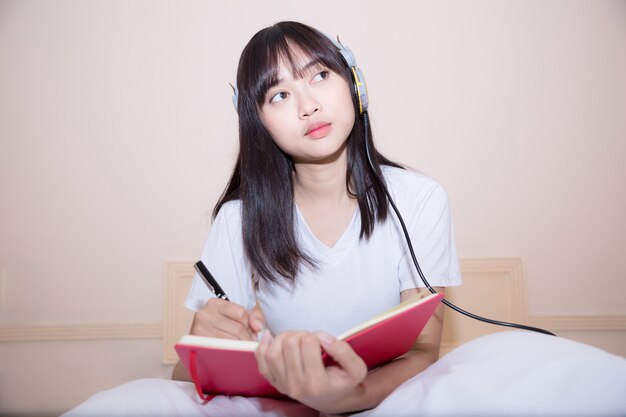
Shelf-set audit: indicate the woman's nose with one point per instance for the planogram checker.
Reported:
(308, 105)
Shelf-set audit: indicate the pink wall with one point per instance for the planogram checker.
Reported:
(117, 134)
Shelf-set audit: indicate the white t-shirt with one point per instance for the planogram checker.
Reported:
(356, 278)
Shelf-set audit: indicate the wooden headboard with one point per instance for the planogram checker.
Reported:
(492, 287)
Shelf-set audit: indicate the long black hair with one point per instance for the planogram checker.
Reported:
(263, 175)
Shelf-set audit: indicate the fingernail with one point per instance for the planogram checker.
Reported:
(258, 323)
(266, 336)
(326, 339)
(260, 335)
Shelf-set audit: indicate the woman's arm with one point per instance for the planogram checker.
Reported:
(180, 373)
(292, 364)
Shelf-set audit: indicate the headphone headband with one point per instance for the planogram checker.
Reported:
(360, 88)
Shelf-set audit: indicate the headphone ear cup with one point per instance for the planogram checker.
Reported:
(360, 88)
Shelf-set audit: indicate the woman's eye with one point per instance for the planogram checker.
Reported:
(278, 97)
(320, 76)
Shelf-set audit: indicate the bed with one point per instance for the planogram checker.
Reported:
(483, 370)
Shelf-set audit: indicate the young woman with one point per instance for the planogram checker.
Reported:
(304, 241)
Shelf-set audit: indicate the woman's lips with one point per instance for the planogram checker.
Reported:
(318, 130)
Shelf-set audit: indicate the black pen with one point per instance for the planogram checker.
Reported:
(210, 281)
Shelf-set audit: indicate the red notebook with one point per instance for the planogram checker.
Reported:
(224, 366)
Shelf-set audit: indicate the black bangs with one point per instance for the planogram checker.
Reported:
(295, 44)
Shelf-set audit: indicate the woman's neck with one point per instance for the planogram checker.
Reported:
(321, 183)
(322, 197)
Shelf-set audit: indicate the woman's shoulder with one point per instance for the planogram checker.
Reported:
(229, 212)
(414, 192)
(402, 181)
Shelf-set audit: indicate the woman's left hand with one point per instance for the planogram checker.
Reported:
(292, 362)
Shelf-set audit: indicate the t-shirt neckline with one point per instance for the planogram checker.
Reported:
(344, 242)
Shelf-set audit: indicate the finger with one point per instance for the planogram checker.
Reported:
(256, 320)
(220, 318)
(204, 324)
(344, 355)
(270, 362)
(260, 354)
(237, 322)
(233, 311)
(210, 331)
(292, 356)
(312, 357)
(275, 361)
(234, 330)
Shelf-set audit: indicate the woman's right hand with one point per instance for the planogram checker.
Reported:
(221, 318)
(227, 320)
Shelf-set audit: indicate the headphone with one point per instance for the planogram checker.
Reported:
(360, 89)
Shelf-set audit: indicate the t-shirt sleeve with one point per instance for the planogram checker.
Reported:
(430, 227)
(224, 257)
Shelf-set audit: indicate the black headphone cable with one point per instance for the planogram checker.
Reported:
(412, 252)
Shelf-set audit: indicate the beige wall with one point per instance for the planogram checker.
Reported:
(117, 134)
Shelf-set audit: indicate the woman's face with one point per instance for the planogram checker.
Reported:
(310, 117)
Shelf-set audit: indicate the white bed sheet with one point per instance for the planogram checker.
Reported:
(515, 373)
(511, 373)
